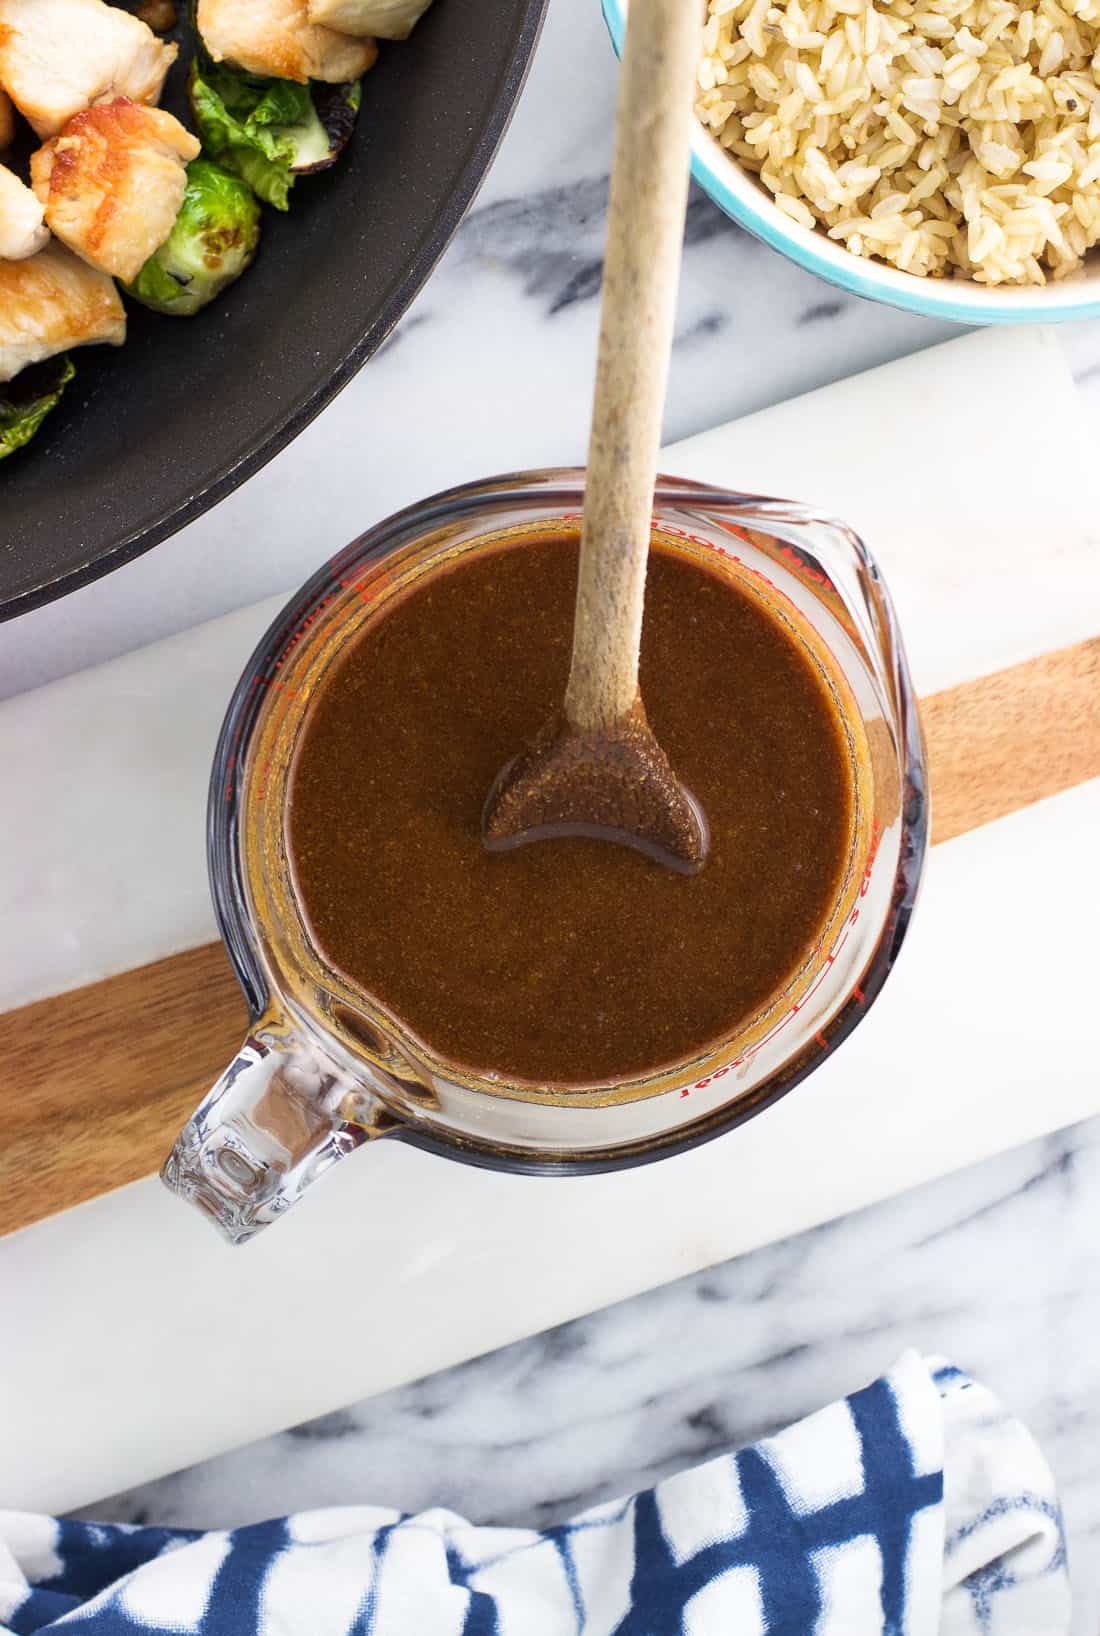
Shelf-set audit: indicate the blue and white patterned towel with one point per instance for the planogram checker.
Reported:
(916, 1506)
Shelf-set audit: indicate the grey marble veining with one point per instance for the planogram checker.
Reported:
(491, 371)
(995, 1266)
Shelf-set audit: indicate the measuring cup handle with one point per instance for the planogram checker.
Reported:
(277, 1118)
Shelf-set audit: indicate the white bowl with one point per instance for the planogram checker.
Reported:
(742, 197)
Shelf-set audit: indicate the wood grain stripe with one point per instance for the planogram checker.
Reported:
(99, 1080)
(1007, 740)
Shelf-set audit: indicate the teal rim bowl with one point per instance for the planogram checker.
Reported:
(960, 300)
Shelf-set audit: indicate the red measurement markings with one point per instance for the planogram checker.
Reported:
(787, 551)
(735, 528)
(263, 771)
(872, 854)
(808, 996)
(701, 1084)
(303, 629)
(816, 576)
(358, 587)
(367, 587)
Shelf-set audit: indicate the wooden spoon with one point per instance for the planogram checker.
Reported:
(597, 769)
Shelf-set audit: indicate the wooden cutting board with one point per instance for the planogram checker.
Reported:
(106, 1074)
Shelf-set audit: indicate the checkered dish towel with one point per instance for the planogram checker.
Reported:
(916, 1506)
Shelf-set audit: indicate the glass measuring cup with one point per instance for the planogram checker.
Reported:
(324, 1069)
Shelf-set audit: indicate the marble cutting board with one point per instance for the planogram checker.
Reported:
(401, 1263)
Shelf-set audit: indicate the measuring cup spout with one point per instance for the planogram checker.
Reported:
(278, 1117)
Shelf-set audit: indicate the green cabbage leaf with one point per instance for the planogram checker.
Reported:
(269, 131)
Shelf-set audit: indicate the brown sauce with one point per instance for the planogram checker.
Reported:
(566, 961)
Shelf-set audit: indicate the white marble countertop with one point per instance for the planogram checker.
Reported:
(995, 1267)
(491, 370)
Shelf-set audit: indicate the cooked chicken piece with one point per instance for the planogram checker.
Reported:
(52, 302)
(112, 183)
(388, 19)
(7, 121)
(21, 229)
(58, 56)
(276, 37)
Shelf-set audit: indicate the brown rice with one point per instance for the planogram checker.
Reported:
(943, 136)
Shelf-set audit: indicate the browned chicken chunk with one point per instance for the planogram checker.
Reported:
(58, 56)
(112, 183)
(50, 303)
(21, 229)
(7, 121)
(276, 37)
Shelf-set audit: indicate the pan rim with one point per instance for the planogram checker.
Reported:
(305, 406)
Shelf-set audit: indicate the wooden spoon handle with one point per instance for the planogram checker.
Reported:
(649, 182)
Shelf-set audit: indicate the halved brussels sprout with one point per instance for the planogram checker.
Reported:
(211, 244)
(27, 400)
(270, 131)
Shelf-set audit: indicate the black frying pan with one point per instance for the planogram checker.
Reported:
(152, 434)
